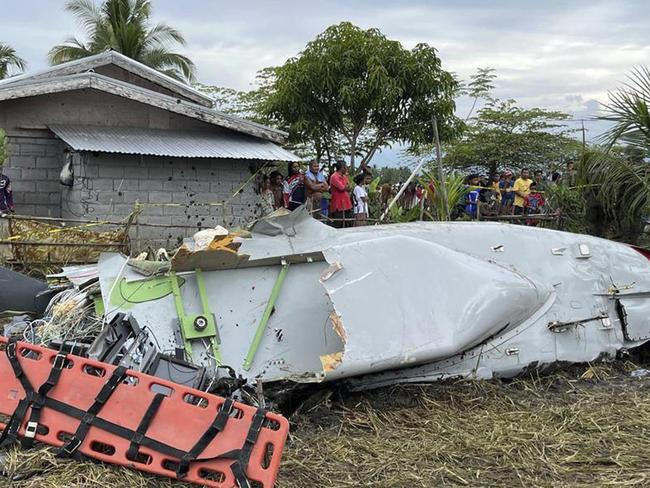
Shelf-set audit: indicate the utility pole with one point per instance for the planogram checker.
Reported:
(441, 174)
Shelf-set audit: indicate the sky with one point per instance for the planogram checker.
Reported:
(560, 55)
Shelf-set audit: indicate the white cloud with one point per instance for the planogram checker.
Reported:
(551, 53)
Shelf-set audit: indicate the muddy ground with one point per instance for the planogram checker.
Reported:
(584, 426)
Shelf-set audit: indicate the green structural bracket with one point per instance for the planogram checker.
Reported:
(259, 333)
(195, 326)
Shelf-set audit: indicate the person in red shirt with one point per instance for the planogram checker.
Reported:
(340, 203)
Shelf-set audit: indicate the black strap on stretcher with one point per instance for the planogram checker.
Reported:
(218, 424)
(89, 417)
(138, 438)
(34, 399)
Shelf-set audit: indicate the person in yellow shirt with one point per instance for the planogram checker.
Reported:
(521, 189)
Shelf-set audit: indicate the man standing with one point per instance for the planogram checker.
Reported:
(340, 204)
(521, 189)
(570, 178)
(6, 197)
(507, 195)
(316, 184)
(540, 181)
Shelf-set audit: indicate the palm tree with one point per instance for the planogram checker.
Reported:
(9, 59)
(616, 179)
(628, 111)
(124, 26)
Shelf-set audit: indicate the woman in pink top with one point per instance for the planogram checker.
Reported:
(340, 203)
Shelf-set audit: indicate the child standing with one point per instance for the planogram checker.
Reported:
(533, 203)
(360, 199)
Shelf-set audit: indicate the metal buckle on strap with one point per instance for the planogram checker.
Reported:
(59, 361)
(88, 418)
(227, 406)
(71, 447)
(256, 426)
(31, 429)
(11, 350)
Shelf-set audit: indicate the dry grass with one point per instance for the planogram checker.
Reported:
(577, 428)
(35, 231)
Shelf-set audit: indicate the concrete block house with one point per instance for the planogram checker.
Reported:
(130, 134)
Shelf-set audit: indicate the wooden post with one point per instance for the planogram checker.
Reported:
(424, 196)
(137, 228)
(441, 173)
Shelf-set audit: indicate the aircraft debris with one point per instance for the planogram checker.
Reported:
(292, 301)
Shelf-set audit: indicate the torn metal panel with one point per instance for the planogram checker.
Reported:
(404, 301)
(635, 312)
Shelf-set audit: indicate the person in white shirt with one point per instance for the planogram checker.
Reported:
(360, 199)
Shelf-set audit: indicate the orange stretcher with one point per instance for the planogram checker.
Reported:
(124, 417)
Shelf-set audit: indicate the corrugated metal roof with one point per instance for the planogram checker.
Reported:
(172, 143)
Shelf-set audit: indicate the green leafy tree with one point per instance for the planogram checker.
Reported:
(353, 91)
(392, 176)
(504, 134)
(10, 62)
(479, 87)
(125, 26)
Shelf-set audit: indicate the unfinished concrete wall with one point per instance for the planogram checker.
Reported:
(107, 185)
(174, 192)
(121, 74)
(34, 166)
(90, 107)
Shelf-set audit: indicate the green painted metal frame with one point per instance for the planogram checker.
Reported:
(186, 321)
(261, 327)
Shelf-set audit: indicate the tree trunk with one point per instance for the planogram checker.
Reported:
(353, 150)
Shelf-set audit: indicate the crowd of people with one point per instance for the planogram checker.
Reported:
(504, 194)
(334, 197)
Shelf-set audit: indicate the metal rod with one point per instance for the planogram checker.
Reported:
(441, 173)
(56, 219)
(97, 222)
(62, 244)
(401, 190)
(265, 316)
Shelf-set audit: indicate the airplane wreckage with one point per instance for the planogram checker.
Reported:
(293, 301)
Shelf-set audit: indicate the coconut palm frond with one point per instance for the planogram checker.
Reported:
(622, 186)
(87, 13)
(162, 35)
(69, 51)
(173, 64)
(10, 61)
(628, 111)
(124, 26)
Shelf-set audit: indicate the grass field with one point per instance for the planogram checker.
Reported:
(585, 426)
